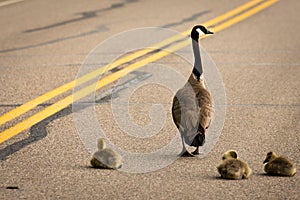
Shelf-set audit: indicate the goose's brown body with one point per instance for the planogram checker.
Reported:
(192, 111)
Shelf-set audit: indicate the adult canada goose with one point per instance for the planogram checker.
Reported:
(106, 158)
(192, 104)
(232, 167)
(279, 165)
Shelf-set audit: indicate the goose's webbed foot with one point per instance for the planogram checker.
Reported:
(196, 152)
(185, 153)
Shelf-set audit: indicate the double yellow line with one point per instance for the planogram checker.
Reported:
(234, 16)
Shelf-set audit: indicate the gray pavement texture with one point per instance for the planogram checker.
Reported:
(42, 46)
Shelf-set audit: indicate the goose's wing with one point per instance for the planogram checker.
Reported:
(191, 119)
(185, 113)
(205, 103)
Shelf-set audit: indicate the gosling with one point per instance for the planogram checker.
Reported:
(278, 165)
(106, 158)
(232, 167)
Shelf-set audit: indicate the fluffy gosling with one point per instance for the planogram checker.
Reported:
(106, 158)
(278, 165)
(232, 167)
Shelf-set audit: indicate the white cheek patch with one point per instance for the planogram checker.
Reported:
(199, 31)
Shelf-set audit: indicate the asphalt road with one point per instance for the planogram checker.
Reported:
(43, 45)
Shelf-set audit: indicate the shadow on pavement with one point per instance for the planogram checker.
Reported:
(39, 131)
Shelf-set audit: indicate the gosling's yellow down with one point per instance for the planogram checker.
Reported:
(279, 165)
(232, 167)
(106, 158)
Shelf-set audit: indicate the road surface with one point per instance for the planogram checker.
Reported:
(43, 45)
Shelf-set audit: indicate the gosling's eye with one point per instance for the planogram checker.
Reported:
(223, 158)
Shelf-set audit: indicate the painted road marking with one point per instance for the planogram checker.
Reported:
(85, 78)
(58, 106)
(6, 3)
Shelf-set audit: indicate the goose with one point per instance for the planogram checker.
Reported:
(192, 104)
(106, 158)
(278, 165)
(232, 167)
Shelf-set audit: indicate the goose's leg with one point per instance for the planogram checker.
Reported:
(196, 152)
(184, 152)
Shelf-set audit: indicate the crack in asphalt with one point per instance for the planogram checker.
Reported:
(84, 16)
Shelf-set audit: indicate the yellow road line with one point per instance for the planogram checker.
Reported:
(6, 3)
(245, 15)
(228, 14)
(58, 106)
(68, 86)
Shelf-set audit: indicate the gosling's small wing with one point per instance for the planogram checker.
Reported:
(97, 164)
(109, 158)
(283, 161)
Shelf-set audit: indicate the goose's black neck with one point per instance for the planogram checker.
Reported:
(197, 70)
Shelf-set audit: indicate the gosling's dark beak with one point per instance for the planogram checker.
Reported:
(266, 160)
(209, 32)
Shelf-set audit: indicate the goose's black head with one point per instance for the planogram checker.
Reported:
(199, 30)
